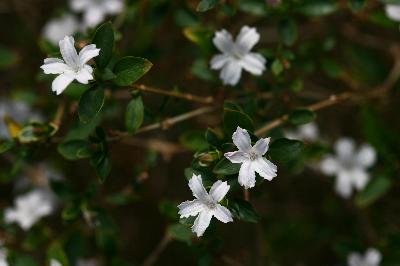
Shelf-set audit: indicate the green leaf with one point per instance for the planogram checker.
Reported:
(7, 58)
(129, 69)
(288, 31)
(302, 116)
(205, 5)
(284, 150)
(213, 138)
(103, 167)
(233, 119)
(180, 232)
(90, 104)
(244, 211)
(35, 132)
(277, 67)
(193, 140)
(226, 167)
(75, 149)
(134, 114)
(318, 7)
(56, 252)
(24, 260)
(71, 212)
(104, 39)
(374, 190)
(6, 146)
(331, 68)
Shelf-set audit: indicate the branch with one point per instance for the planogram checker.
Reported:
(186, 96)
(152, 258)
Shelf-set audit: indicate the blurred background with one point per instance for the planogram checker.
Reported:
(314, 49)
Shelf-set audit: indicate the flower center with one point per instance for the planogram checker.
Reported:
(253, 156)
(236, 53)
(210, 204)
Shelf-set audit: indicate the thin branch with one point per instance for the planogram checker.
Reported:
(185, 96)
(166, 123)
(152, 258)
(59, 113)
(345, 96)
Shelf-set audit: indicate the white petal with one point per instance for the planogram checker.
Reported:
(247, 38)
(261, 146)
(309, 131)
(54, 262)
(51, 66)
(222, 214)
(10, 215)
(68, 51)
(344, 148)
(84, 76)
(329, 165)
(360, 178)
(253, 63)
(113, 6)
(218, 61)
(190, 208)
(219, 190)
(354, 259)
(241, 139)
(57, 28)
(202, 222)
(197, 188)
(223, 41)
(366, 156)
(247, 176)
(61, 82)
(79, 5)
(264, 168)
(393, 11)
(236, 156)
(231, 73)
(373, 257)
(343, 184)
(94, 16)
(88, 52)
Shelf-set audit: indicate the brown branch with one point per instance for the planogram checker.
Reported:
(152, 258)
(59, 113)
(185, 96)
(345, 96)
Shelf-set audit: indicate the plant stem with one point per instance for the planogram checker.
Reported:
(152, 258)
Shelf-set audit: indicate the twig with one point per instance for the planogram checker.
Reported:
(152, 258)
(246, 194)
(186, 96)
(342, 97)
(166, 123)
(59, 113)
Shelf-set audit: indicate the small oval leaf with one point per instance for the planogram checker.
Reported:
(134, 114)
(129, 69)
(90, 104)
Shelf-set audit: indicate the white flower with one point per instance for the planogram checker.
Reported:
(88, 262)
(205, 205)
(57, 28)
(251, 158)
(349, 166)
(236, 55)
(3, 255)
(54, 262)
(95, 11)
(393, 11)
(29, 208)
(307, 132)
(73, 67)
(372, 257)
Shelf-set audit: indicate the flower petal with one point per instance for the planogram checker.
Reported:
(93, 16)
(253, 63)
(223, 41)
(218, 61)
(360, 178)
(343, 184)
(197, 188)
(113, 6)
(366, 156)
(264, 168)
(202, 222)
(261, 146)
(247, 38)
(236, 156)
(373, 257)
(344, 148)
(222, 214)
(88, 52)
(84, 76)
(241, 139)
(190, 208)
(393, 11)
(329, 165)
(61, 82)
(79, 5)
(54, 66)
(219, 190)
(355, 259)
(247, 176)
(68, 51)
(231, 73)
